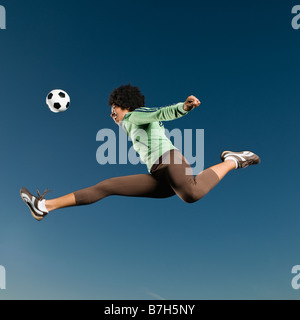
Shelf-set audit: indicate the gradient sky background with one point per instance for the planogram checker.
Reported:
(240, 59)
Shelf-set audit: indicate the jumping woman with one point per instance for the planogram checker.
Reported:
(168, 169)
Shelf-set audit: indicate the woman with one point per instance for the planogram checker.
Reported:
(168, 169)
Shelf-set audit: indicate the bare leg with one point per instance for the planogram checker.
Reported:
(223, 168)
(62, 202)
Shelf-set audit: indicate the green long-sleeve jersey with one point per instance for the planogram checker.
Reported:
(145, 129)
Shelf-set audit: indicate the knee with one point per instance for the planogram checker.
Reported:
(191, 197)
(190, 200)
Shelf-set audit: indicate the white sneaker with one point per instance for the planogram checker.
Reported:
(33, 203)
(242, 159)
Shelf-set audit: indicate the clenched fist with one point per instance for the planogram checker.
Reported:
(191, 103)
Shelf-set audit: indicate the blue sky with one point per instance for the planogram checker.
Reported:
(241, 60)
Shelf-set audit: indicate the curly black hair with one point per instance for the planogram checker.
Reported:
(127, 97)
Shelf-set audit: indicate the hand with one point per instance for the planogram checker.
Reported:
(191, 103)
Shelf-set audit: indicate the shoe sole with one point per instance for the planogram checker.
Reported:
(31, 210)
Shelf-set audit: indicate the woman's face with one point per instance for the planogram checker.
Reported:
(117, 114)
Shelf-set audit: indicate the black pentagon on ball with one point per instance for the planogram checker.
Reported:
(57, 105)
(50, 95)
(68, 104)
(62, 95)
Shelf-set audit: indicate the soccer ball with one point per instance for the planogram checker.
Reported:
(58, 101)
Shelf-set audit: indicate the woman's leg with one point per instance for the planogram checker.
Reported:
(223, 168)
(188, 187)
(143, 185)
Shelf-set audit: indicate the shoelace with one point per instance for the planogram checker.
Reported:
(41, 197)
